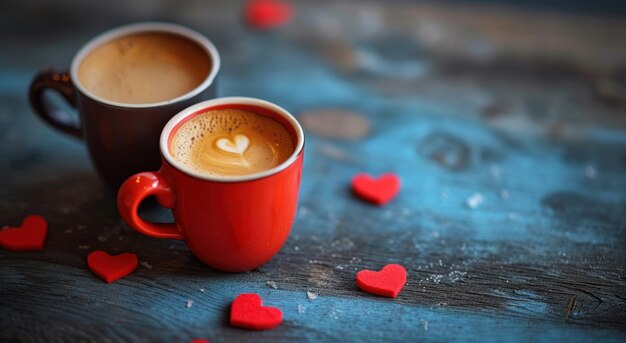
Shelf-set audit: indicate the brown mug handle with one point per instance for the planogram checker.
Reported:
(60, 82)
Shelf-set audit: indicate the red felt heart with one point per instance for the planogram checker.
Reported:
(30, 236)
(248, 313)
(267, 14)
(378, 191)
(110, 268)
(388, 282)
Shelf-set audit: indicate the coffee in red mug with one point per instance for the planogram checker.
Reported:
(231, 170)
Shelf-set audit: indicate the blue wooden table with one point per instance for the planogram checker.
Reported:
(506, 125)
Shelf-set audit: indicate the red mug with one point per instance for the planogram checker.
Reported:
(233, 223)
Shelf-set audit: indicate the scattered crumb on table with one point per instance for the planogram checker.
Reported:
(590, 172)
(474, 201)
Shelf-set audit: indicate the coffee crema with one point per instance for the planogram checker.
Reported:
(144, 68)
(231, 142)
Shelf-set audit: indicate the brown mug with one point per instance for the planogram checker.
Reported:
(122, 138)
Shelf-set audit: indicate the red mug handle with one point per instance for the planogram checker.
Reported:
(60, 82)
(134, 190)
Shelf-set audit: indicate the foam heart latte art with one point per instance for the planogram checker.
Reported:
(238, 147)
(231, 142)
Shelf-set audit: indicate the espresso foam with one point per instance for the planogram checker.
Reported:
(144, 68)
(231, 142)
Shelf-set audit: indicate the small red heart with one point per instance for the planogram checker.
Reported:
(110, 268)
(30, 236)
(378, 191)
(388, 282)
(247, 312)
(267, 14)
(200, 341)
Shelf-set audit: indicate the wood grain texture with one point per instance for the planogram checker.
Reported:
(526, 107)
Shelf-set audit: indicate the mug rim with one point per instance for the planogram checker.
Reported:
(150, 26)
(182, 115)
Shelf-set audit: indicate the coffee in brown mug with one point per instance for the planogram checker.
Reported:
(144, 68)
(126, 84)
(231, 142)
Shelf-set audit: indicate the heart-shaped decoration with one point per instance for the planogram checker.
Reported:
(238, 146)
(30, 236)
(377, 191)
(267, 14)
(248, 312)
(110, 268)
(388, 282)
